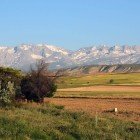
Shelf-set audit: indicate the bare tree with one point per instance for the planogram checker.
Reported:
(39, 82)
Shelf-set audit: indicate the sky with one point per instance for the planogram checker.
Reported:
(70, 24)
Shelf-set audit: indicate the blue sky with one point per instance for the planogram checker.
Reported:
(71, 24)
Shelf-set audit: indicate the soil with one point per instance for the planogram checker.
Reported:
(105, 88)
(128, 109)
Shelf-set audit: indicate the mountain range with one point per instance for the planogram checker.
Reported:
(23, 56)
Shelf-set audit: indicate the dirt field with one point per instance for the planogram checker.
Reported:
(125, 98)
(105, 88)
(128, 109)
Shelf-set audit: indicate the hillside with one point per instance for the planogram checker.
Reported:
(94, 69)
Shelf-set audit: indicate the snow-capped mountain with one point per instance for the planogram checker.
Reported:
(23, 56)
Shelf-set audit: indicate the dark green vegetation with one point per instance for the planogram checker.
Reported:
(9, 74)
(33, 86)
(9, 85)
(39, 83)
(99, 79)
(32, 121)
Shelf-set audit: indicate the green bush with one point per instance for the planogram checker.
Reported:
(9, 83)
(7, 95)
(111, 81)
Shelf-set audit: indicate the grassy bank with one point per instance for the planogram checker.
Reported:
(32, 121)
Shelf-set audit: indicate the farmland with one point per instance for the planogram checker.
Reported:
(131, 79)
(95, 94)
(82, 108)
(128, 109)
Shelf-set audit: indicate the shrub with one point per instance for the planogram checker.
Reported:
(9, 81)
(111, 81)
(7, 95)
(39, 83)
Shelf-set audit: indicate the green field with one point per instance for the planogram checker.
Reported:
(100, 79)
(97, 94)
(51, 122)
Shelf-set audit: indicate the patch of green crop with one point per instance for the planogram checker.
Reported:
(100, 79)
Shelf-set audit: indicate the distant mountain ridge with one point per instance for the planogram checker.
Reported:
(99, 69)
(23, 56)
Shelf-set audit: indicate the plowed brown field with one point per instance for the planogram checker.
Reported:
(105, 88)
(127, 108)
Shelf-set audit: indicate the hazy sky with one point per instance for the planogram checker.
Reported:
(70, 23)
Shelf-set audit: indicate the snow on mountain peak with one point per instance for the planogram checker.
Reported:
(36, 56)
(56, 49)
(24, 55)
